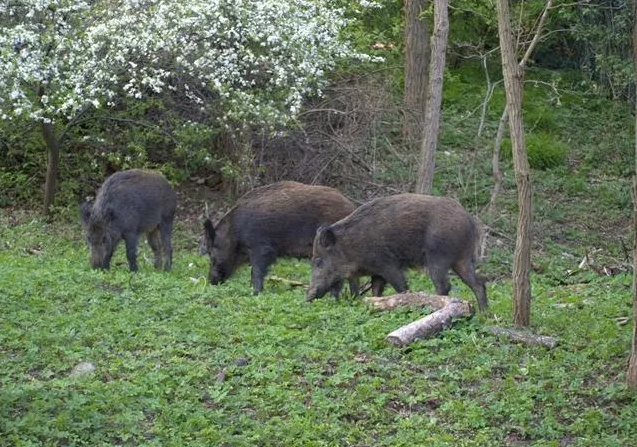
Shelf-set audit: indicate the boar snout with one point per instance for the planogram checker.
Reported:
(316, 292)
(100, 259)
(99, 266)
(215, 280)
(217, 275)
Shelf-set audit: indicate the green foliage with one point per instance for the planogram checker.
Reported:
(140, 134)
(179, 362)
(381, 25)
(542, 117)
(600, 31)
(21, 159)
(609, 140)
(193, 148)
(473, 21)
(544, 151)
(16, 187)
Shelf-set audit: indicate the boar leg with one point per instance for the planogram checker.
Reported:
(378, 285)
(154, 240)
(131, 250)
(166, 229)
(395, 277)
(439, 273)
(467, 273)
(260, 259)
(354, 286)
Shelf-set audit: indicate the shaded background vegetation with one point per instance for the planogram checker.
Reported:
(351, 135)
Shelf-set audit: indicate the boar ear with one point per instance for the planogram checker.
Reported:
(209, 231)
(85, 212)
(327, 238)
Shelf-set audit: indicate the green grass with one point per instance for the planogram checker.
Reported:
(181, 363)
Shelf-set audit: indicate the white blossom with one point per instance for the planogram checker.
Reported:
(246, 60)
(370, 4)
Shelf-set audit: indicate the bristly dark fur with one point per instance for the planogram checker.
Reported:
(130, 203)
(269, 222)
(387, 235)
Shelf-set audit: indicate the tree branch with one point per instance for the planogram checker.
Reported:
(121, 120)
(538, 33)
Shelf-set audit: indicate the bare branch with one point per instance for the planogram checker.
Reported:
(538, 33)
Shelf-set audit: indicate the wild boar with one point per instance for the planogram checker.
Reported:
(128, 204)
(387, 235)
(272, 221)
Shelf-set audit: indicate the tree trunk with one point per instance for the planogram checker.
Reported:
(513, 73)
(631, 375)
(434, 97)
(52, 164)
(497, 174)
(417, 53)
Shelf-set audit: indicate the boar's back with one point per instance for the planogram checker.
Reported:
(286, 215)
(138, 197)
(408, 228)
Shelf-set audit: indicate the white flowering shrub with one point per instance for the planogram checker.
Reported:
(245, 61)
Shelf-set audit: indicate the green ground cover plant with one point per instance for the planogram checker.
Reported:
(181, 363)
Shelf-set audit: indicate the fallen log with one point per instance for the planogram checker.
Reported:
(432, 324)
(414, 299)
(524, 337)
(289, 282)
(446, 310)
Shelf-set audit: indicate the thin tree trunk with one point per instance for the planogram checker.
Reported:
(631, 375)
(497, 172)
(417, 53)
(434, 97)
(52, 164)
(513, 85)
(487, 97)
(497, 147)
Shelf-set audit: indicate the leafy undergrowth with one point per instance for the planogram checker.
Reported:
(181, 363)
